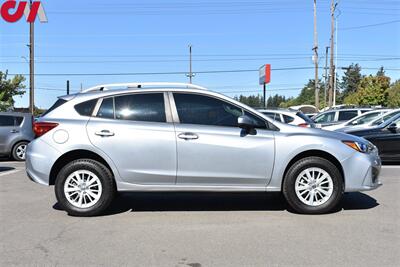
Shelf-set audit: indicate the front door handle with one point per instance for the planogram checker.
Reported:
(188, 136)
(104, 133)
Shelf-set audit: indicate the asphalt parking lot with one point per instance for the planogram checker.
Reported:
(195, 230)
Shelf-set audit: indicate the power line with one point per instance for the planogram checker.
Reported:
(178, 72)
(369, 25)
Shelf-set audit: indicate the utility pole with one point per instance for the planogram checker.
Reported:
(326, 73)
(332, 66)
(316, 56)
(31, 66)
(67, 87)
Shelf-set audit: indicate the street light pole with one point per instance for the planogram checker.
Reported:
(31, 66)
(326, 73)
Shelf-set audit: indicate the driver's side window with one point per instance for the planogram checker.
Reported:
(205, 110)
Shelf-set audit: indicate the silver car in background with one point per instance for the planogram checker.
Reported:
(358, 121)
(182, 137)
(15, 134)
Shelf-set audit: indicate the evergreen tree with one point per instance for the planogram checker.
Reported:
(350, 80)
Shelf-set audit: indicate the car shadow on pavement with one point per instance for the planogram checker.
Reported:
(4, 169)
(169, 202)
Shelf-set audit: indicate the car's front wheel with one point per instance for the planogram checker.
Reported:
(313, 185)
(85, 187)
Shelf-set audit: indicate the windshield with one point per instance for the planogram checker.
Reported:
(384, 118)
(325, 117)
(365, 118)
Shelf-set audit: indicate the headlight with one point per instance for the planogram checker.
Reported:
(359, 146)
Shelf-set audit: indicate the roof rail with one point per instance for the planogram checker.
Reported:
(141, 85)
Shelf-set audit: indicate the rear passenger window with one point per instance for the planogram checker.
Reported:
(86, 108)
(106, 109)
(288, 119)
(347, 115)
(6, 121)
(140, 107)
(18, 121)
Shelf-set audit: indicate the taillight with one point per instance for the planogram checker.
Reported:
(303, 125)
(40, 128)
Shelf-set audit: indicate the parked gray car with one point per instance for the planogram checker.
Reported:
(15, 133)
(181, 137)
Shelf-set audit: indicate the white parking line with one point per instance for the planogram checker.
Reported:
(9, 172)
(391, 167)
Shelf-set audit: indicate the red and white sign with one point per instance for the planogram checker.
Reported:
(12, 11)
(265, 74)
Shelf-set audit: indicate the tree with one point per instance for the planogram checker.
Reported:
(275, 101)
(255, 101)
(394, 95)
(306, 96)
(350, 80)
(381, 72)
(373, 90)
(10, 88)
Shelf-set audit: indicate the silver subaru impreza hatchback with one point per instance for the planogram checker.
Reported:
(182, 137)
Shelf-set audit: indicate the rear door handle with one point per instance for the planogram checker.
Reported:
(14, 131)
(104, 133)
(188, 136)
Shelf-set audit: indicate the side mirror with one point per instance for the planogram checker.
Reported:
(392, 127)
(246, 123)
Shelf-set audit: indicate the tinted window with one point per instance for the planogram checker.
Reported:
(18, 121)
(198, 109)
(326, 117)
(106, 109)
(260, 123)
(86, 108)
(6, 121)
(364, 119)
(58, 103)
(347, 115)
(288, 119)
(140, 107)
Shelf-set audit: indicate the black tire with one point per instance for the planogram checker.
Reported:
(16, 151)
(107, 183)
(294, 171)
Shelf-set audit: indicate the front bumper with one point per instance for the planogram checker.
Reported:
(362, 172)
(40, 157)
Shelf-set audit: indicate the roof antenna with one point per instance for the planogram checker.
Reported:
(139, 86)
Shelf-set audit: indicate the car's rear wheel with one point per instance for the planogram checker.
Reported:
(85, 187)
(313, 185)
(19, 150)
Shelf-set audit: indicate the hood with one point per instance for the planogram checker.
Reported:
(295, 130)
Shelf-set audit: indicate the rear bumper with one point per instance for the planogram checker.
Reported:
(40, 157)
(362, 172)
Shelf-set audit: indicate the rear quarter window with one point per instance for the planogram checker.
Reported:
(18, 121)
(288, 119)
(86, 108)
(347, 115)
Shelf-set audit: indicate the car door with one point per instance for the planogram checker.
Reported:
(213, 150)
(387, 140)
(137, 133)
(7, 133)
